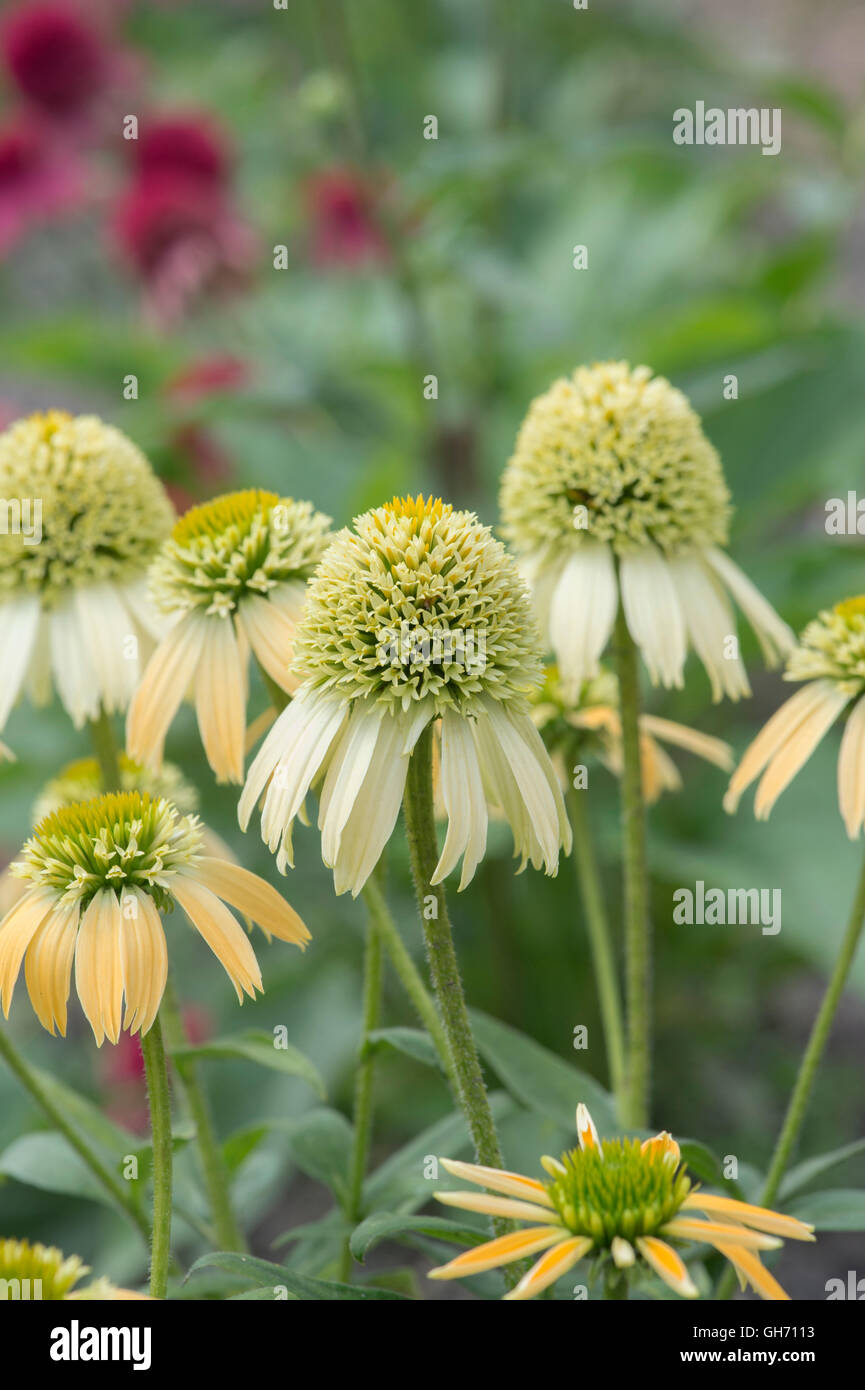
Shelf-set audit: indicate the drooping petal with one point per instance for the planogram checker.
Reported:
(775, 637)
(501, 1251)
(220, 700)
(376, 807)
(19, 626)
(750, 1266)
(582, 613)
(106, 629)
(74, 676)
(253, 897)
(533, 778)
(346, 771)
(851, 770)
(713, 750)
(774, 735)
(222, 932)
(48, 967)
(663, 1259)
(550, 1267)
(499, 1180)
(796, 751)
(654, 615)
(17, 930)
(99, 966)
(270, 630)
(462, 792)
(711, 626)
(166, 679)
(145, 960)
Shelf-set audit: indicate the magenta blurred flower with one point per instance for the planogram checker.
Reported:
(209, 376)
(38, 181)
(58, 60)
(344, 230)
(122, 1069)
(184, 240)
(186, 146)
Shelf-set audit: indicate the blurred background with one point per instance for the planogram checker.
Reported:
(255, 289)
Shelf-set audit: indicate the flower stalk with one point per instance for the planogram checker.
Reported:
(156, 1071)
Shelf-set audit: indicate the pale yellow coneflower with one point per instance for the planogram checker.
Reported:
(830, 659)
(85, 516)
(42, 1273)
(565, 723)
(101, 873)
(230, 578)
(622, 1203)
(415, 615)
(613, 491)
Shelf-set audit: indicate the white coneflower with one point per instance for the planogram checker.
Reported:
(100, 874)
(232, 577)
(73, 607)
(613, 490)
(831, 660)
(417, 614)
(594, 717)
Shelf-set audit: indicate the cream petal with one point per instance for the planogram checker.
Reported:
(163, 686)
(99, 966)
(499, 1206)
(106, 627)
(501, 1251)
(462, 792)
(502, 791)
(76, 680)
(145, 960)
(774, 735)
(17, 930)
(796, 752)
(223, 934)
(668, 1265)
(48, 967)
(346, 770)
(534, 778)
(376, 807)
(750, 1265)
(710, 624)
(851, 770)
(775, 637)
(498, 1180)
(19, 627)
(654, 615)
(582, 613)
(253, 897)
(270, 631)
(550, 1267)
(713, 750)
(220, 699)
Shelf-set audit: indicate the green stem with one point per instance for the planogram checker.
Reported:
(409, 975)
(432, 904)
(603, 958)
(228, 1232)
(105, 748)
(156, 1071)
(638, 946)
(811, 1059)
(363, 1088)
(30, 1081)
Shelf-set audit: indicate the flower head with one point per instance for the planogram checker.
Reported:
(88, 514)
(613, 489)
(189, 146)
(38, 181)
(593, 722)
(344, 228)
(100, 873)
(49, 1275)
(58, 60)
(830, 659)
(232, 576)
(621, 1202)
(414, 615)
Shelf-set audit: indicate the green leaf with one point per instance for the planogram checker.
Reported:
(88, 1118)
(811, 1168)
(320, 1143)
(255, 1046)
(538, 1078)
(48, 1162)
(385, 1226)
(271, 1277)
(836, 1209)
(704, 1164)
(414, 1042)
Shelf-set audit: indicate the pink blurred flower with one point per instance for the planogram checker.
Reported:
(343, 226)
(122, 1069)
(183, 239)
(37, 182)
(58, 60)
(209, 376)
(187, 146)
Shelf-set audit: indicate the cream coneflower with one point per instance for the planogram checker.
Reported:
(417, 614)
(82, 781)
(830, 659)
(613, 490)
(232, 576)
(565, 726)
(621, 1202)
(42, 1273)
(101, 874)
(73, 605)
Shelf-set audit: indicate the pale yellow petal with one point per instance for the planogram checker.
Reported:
(663, 1259)
(499, 1180)
(498, 1206)
(220, 699)
(48, 967)
(99, 966)
(760, 1217)
(17, 930)
(750, 1266)
(550, 1267)
(163, 685)
(253, 897)
(774, 735)
(221, 931)
(504, 1250)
